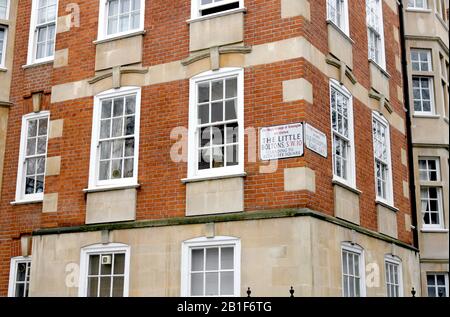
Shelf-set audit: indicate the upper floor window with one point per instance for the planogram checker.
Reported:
(382, 155)
(120, 17)
(342, 134)
(3, 34)
(207, 7)
(216, 132)
(337, 12)
(431, 193)
(375, 31)
(211, 267)
(353, 278)
(4, 8)
(19, 277)
(418, 4)
(42, 31)
(429, 170)
(115, 138)
(421, 60)
(393, 272)
(104, 271)
(442, 10)
(32, 157)
(423, 94)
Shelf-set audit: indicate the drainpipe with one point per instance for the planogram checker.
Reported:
(412, 185)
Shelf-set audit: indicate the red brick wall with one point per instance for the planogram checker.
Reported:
(165, 106)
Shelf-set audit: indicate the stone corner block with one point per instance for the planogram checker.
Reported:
(111, 206)
(215, 196)
(297, 89)
(56, 128)
(299, 178)
(50, 203)
(292, 8)
(53, 166)
(61, 58)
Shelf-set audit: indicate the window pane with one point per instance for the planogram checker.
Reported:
(231, 88)
(203, 92)
(230, 110)
(119, 263)
(92, 288)
(197, 284)
(105, 286)
(130, 105)
(118, 283)
(217, 90)
(226, 283)
(93, 264)
(20, 287)
(211, 284)
(106, 109)
(197, 260)
(217, 112)
(212, 259)
(227, 258)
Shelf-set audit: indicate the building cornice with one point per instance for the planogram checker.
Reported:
(428, 38)
(242, 216)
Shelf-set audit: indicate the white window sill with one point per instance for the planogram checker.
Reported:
(110, 188)
(119, 36)
(2, 69)
(446, 119)
(38, 63)
(215, 15)
(427, 116)
(27, 201)
(346, 186)
(418, 10)
(342, 32)
(207, 178)
(387, 205)
(431, 230)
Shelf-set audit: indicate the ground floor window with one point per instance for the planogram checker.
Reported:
(19, 277)
(437, 284)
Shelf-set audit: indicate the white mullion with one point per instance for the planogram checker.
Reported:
(204, 271)
(99, 274)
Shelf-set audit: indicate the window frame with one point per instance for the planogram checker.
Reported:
(3, 47)
(432, 111)
(94, 182)
(346, 25)
(13, 273)
(99, 249)
(7, 12)
(424, 8)
(435, 286)
(382, 62)
(389, 200)
(196, 7)
(351, 161)
(20, 182)
(103, 22)
(354, 248)
(429, 59)
(394, 260)
(440, 204)
(193, 171)
(204, 242)
(32, 40)
(427, 170)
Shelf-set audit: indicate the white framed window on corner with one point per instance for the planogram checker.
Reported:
(431, 203)
(19, 277)
(353, 270)
(337, 13)
(32, 157)
(437, 284)
(3, 41)
(104, 270)
(393, 276)
(120, 17)
(418, 4)
(341, 110)
(216, 124)
(375, 32)
(115, 138)
(41, 44)
(4, 9)
(201, 8)
(211, 267)
(382, 159)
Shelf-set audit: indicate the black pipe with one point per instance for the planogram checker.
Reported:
(412, 185)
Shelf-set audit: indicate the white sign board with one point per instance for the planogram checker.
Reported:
(316, 140)
(282, 141)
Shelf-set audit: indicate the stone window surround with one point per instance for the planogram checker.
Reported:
(31, 60)
(207, 242)
(392, 259)
(193, 172)
(93, 166)
(101, 34)
(12, 273)
(346, 25)
(98, 249)
(19, 198)
(355, 248)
